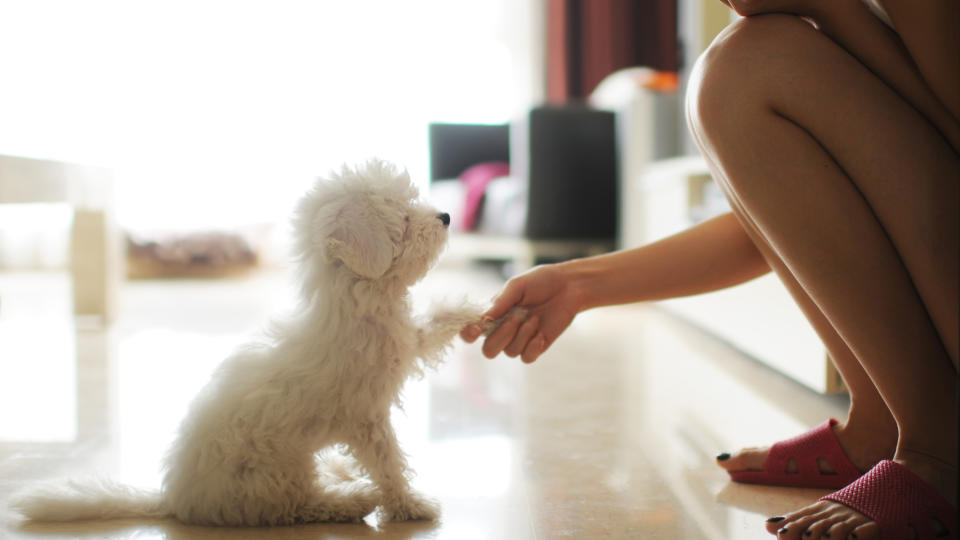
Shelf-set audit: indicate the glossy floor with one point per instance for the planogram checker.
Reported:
(611, 435)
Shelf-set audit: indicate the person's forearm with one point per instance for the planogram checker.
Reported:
(712, 255)
(852, 26)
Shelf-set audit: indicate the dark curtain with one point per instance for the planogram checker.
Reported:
(590, 39)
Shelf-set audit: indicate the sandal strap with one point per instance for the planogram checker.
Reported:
(804, 449)
(897, 500)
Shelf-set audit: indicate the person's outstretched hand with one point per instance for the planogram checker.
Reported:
(551, 301)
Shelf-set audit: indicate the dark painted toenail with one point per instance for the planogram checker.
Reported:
(723, 457)
(777, 519)
(782, 531)
(807, 533)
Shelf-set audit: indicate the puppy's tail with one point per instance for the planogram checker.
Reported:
(90, 499)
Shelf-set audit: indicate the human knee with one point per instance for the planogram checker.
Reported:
(759, 39)
(738, 71)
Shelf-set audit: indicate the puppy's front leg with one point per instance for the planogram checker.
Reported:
(380, 454)
(442, 325)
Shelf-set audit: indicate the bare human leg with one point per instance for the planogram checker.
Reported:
(856, 194)
(869, 433)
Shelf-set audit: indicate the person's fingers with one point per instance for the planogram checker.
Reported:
(502, 337)
(470, 333)
(509, 297)
(534, 348)
(551, 327)
(526, 331)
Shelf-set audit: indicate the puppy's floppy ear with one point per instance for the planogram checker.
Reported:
(361, 241)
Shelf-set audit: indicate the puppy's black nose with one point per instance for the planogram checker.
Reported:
(445, 218)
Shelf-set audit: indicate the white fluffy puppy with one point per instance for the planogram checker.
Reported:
(246, 453)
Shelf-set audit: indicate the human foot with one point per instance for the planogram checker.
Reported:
(890, 501)
(831, 456)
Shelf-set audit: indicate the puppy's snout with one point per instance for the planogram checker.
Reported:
(445, 218)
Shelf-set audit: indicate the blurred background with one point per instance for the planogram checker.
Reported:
(156, 140)
(216, 115)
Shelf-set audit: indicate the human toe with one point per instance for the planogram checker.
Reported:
(818, 529)
(802, 527)
(749, 459)
(840, 529)
(795, 521)
(825, 519)
(867, 531)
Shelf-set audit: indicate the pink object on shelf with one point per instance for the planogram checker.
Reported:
(819, 442)
(476, 179)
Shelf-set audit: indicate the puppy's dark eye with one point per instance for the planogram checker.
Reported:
(406, 219)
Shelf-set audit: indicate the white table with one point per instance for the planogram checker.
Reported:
(95, 244)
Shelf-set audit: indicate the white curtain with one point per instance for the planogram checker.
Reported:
(218, 113)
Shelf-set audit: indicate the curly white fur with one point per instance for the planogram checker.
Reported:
(247, 452)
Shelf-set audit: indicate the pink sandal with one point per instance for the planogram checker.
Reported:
(819, 442)
(900, 502)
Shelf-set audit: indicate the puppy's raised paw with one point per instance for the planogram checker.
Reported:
(456, 316)
(490, 326)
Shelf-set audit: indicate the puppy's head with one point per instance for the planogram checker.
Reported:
(368, 221)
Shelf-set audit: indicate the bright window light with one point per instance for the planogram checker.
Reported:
(218, 112)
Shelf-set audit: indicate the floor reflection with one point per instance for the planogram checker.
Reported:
(37, 342)
(167, 530)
